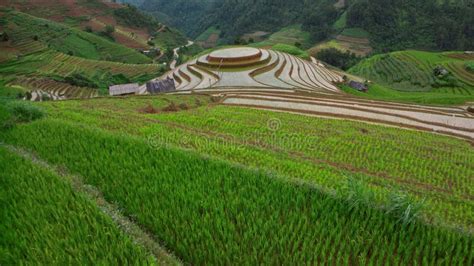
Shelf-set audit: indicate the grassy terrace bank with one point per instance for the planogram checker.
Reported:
(208, 211)
(43, 221)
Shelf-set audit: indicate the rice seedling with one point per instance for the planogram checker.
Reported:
(319, 151)
(43, 221)
(211, 212)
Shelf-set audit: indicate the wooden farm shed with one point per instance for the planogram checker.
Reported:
(358, 86)
(158, 86)
(124, 89)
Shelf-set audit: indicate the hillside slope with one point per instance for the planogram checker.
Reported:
(28, 34)
(184, 14)
(422, 24)
(42, 59)
(422, 74)
(392, 26)
(63, 76)
(133, 28)
(235, 19)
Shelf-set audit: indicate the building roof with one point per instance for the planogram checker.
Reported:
(357, 85)
(123, 89)
(159, 86)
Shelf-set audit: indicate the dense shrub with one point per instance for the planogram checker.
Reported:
(118, 79)
(22, 111)
(131, 16)
(77, 79)
(470, 66)
(404, 208)
(337, 58)
(448, 80)
(108, 32)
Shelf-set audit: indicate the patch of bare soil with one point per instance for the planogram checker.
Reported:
(353, 39)
(149, 109)
(171, 107)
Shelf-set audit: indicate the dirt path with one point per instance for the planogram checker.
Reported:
(137, 234)
(176, 55)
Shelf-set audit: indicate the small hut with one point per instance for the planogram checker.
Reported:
(159, 86)
(358, 86)
(124, 89)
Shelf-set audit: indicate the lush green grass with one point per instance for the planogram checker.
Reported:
(289, 35)
(320, 151)
(341, 22)
(10, 92)
(355, 32)
(206, 34)
(75, 21)
(23, 111)
(186, 53)
(43, 221)
(169, 39)
(27, 32)
(290, 49)
(5, 114)
(412, 71)
(211, 212)
(382, 92)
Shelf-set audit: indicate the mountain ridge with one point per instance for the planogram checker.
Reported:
(392, 26)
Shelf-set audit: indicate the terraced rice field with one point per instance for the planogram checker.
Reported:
(271, 69)
(34, 71)
(54, 90)
(354, 41)
(321, 197)
(288, 35)
(305, 147)
(276, 80)
(452, 121)
(64, 65)
(413, 71)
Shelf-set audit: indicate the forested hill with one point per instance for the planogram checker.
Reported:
(424, 24)
(393, 25)
(235, 18)
(187, 15)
